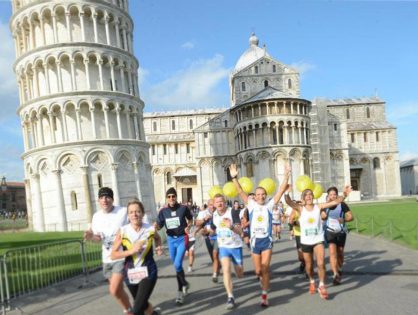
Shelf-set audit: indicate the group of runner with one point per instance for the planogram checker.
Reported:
(128, 245)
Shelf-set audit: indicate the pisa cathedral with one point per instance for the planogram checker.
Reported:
(80, 109)
(267, 125)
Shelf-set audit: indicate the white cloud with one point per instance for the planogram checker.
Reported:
(7, 52)
(187, 45)
(303, 67)
(195, 86)
(404, 113)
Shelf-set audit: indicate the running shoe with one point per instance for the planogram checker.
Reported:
(157, 311)
(189, 269)
(312, 288)
(215, 278)
(336, 279)
(128, 312)
(180, 298)
(186, 289)
(230, 304)
(264, 301)
(323, 292)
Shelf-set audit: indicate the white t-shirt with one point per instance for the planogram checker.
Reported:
(225, 236)
(260, 218)
(130, 236)
(202, 215)
(310, 222)
(107, 225)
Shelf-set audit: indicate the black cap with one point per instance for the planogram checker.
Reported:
(171, 191)
(105, 191)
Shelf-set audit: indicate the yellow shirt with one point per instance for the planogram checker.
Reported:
(296, 228)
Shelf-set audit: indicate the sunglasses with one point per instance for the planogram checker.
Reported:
(171, 196)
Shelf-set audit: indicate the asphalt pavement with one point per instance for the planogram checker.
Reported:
(379, 277)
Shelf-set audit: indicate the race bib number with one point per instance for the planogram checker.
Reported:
(224, 236)
(334, 224)
(259, 226)
(135, 275)
(311, 232)
(172, 223)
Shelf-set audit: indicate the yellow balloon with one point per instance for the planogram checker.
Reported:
(304, 182)
(317, 191)
(214, 190)
(230, 190)
(246, 184)
(268, 184)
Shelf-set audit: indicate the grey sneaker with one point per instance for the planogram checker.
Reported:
(186, 289)
(230, 304)
(180, 298)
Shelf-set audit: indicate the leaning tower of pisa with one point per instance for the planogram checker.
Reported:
(80, 109)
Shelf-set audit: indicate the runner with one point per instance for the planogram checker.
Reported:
(191, 234)
(277, 222)
(336, 233)
(294, 220)
(105, 225)
(312, 235)
(230, 245)
(260, 218)
(245, 223)
(204, 221)
(176, 218)
(136, 240)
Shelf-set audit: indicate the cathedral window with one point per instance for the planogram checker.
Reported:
(169, 179)
(188, 148)
(153, 149)
(176, 148)
(266, 83)
(191, 124)
(164, 148)
(243, 86)
(352, 138)
(74, 205)
(205, 135)
(335, 127)
(256, 69)
(376, 163)
(289, 83)
(365, 137)
(377, 137)
(250, 172)
(99, 180)
(274, 68)
(368, 112)
(154, 126)
(173, 125)
(347, 113)
(225, 123)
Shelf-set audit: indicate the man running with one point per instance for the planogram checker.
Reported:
(105, 225)
(230, 244)
(176, 218)
(336, 233)
(260, 218)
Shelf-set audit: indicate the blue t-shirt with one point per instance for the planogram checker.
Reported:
(174, 219)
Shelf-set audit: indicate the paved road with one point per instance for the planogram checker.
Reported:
(379, 278)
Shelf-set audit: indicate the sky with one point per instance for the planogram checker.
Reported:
(187, 49)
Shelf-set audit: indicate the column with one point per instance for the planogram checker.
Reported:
(79, 134)
(28, 192)
(100, 65)
(122, 75)
(115, 186)
(40, 131)
(60, 87)
(62, 216)
(73, 80)
(31, 37)
(137, 179)
(51, 127)
(35, 82)
(112, 74)
(136, 126)
(48, 88)
(25, 43)
(117, 32)
(293, 133)
(300, 134)
(25, 137)
(16, 41)
(67, 22)
(125, 45)
(64, 124)
(35, 132)
(41, 22)
(285, 134)
(107, 18)
(86, 68)
(118, 121)
(130, 81)
(94, 17)
(86, 190)
(38, 209)
(255, 139)
(106, 117)
(54, 27)
(128, 122)
(29, 88)
(93, 123)
(83, 35)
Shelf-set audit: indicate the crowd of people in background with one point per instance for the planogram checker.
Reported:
(227, 228)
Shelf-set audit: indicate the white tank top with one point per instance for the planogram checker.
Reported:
(311, 231)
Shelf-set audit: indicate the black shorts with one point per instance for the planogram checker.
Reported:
(338, 238)
(309, 248)
(297, 239)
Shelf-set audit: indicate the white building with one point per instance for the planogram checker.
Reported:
(409, 177)
(333, 141)
(80, 109)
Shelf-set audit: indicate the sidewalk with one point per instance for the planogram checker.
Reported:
(379, 278)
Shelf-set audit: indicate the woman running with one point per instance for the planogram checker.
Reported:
(136, 240)
(260, 217)
(312, 235)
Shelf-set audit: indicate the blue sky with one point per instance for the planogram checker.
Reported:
(187, 49)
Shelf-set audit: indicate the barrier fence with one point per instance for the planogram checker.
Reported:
(25, 270)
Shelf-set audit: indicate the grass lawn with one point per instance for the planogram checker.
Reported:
(395, 220)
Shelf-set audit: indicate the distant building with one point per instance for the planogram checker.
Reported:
(13, 197)
(409, 177)
(336, 142)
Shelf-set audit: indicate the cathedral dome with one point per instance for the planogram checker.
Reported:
(251, 55)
